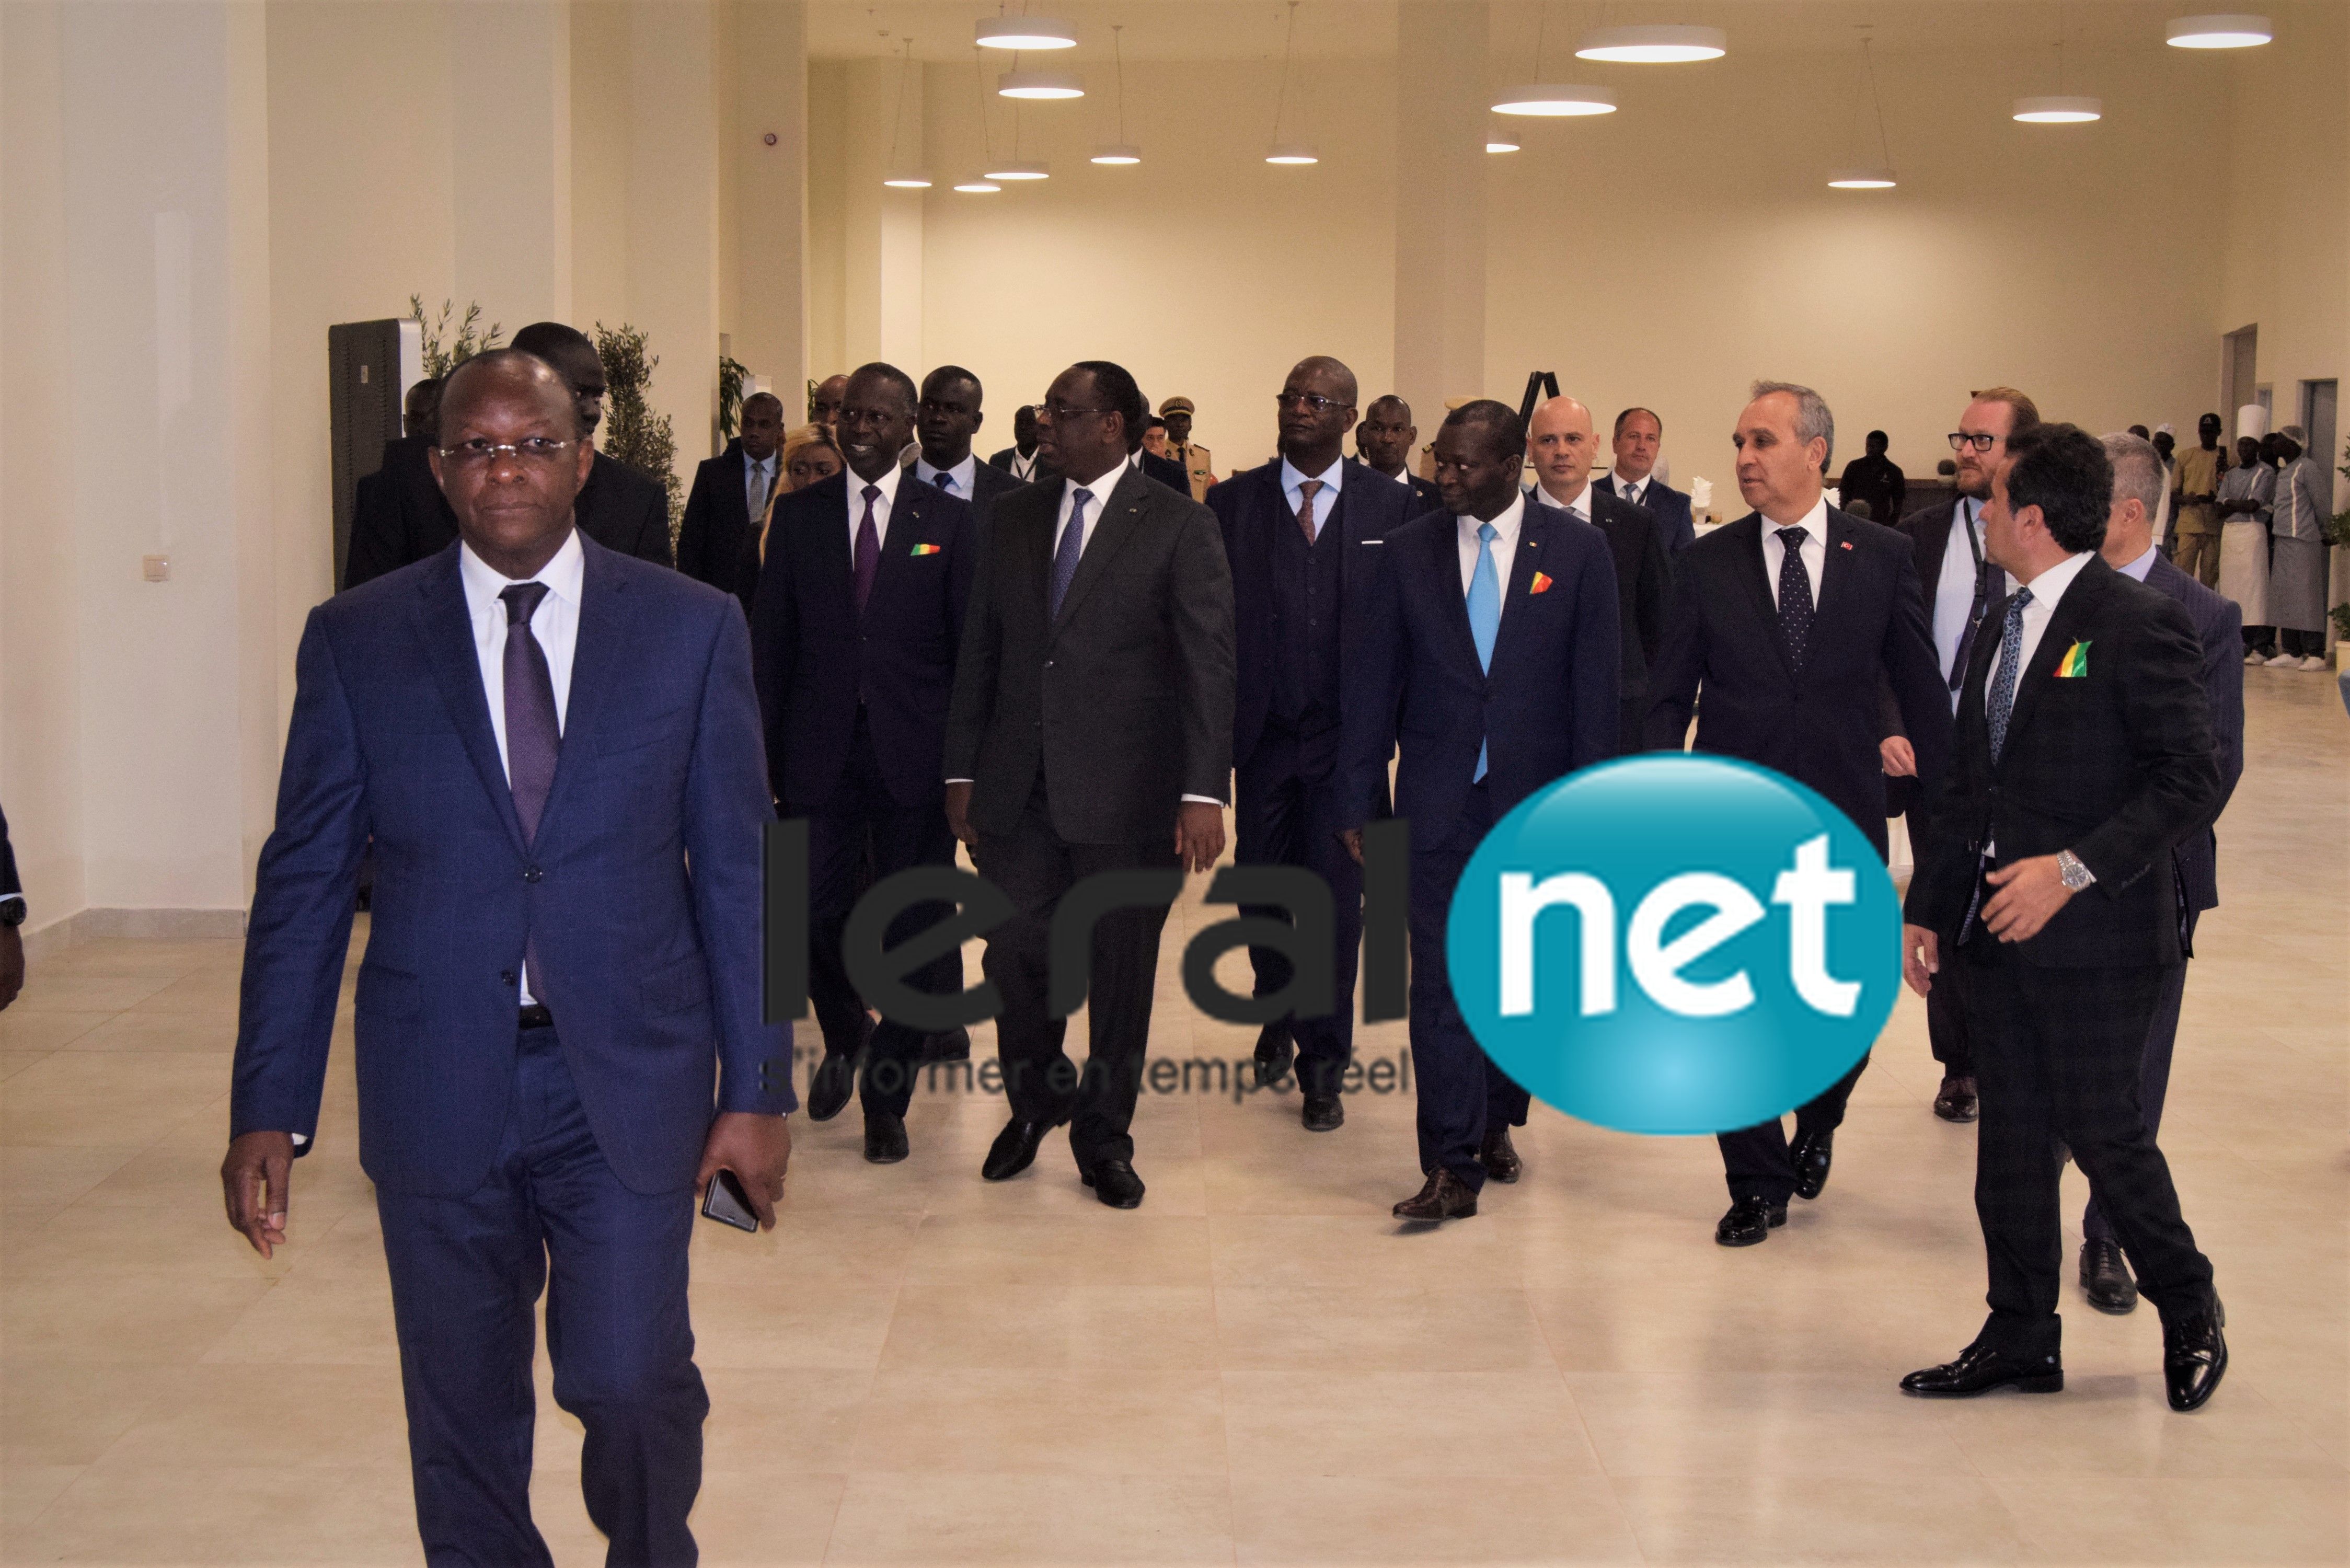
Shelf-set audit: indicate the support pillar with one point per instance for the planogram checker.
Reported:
(1440, 250)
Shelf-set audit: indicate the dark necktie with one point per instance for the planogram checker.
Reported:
(532, 739)
(868, 549)
(2002, 688)
(946, 482)
(1795, 599)
(1072, 545)
(1986, 573)
(1306, 489)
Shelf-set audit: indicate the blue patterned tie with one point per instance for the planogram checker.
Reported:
(2011, 654)
(1795, 599)
(1484, 614)
(1072, 545)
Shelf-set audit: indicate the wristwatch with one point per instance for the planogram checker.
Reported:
(2075, 875)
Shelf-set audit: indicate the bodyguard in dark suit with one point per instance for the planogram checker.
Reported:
(1563, 446)
(1638, 435)
(1020, 458)
(730, 494)
(1302, 535)
(1491, 663)
(2085, 756)
(855, 628)
(947, 419)
(398, 513)
(2129, 549)
(618, 507)
(1791, 619)
(1385, 438)
(555, 750)
(1091, 731)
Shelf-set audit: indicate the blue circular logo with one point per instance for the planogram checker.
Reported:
(1675, 943)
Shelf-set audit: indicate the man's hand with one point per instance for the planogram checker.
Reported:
(958, 816)
(1922, 958)
(11, 964)
(1352, 837)
(2030, 894)
(756, 1149)
(1198, 833)
(256, 1179)
(1900, 759)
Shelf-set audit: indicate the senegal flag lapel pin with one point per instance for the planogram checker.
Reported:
(2075, 665)
(1541, 584)
(927, 549)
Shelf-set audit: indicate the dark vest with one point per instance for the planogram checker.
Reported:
(1305, 624)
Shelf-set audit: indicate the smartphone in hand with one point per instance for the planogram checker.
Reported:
(724, 1200)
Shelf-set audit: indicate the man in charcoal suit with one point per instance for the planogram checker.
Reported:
(620, 507)
(1638, 435)
(2084, 757)
(730, 494)
(948, 418)
(1302, 535)
(397, 512)
(1385, 440)
(1791, 619)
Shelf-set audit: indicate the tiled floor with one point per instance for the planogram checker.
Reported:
(918, 1367)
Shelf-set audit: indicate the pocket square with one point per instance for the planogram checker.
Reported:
(928, 549)
(2075, 665)
(1541, 584)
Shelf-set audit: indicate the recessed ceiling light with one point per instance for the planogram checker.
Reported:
(1550, 100)
(1861, 180)
(1498, 143)
(1039, 85)
(2218, 32)
(2058, 111)
(1292, 152)
(977, 187)
(1007, 172)
(907, 180)
(1120, 153)
(1653, 46)
(1027, 32)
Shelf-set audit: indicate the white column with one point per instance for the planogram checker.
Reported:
(672, 244)
(510, 75)
(884, 237)
(1440, 251)
(770, 322)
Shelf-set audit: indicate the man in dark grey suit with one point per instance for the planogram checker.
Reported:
(1090, 730)
(1638, 434)
(730, 495)
(945, 421)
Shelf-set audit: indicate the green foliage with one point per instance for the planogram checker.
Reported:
(632, 432)
(731, 374)
(446, 349)
(2341, 614)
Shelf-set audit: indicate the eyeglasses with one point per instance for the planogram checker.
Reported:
(1309, 401)
(1961, 440)
(1059, 412)
(537, 450)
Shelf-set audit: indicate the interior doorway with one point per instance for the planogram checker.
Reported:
(2238, 374)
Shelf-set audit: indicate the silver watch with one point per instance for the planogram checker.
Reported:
(2075, 875)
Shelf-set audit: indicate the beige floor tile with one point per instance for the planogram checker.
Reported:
(286, 1417)
(1813, 1518)
(1766, 1424)
(2076, 1519)
(1093, 1421)
(69, 1414)
(1378, 1328)
(762, 1518)
(2122, 1427)
(86, 993)
(107, 1097)
(1158, 1328)
(37, 1182)
(143, 1031)
(1093, 1245)
(950, 1520)
(1283, 1517)
(23, 1030)
(218, 1517)
(306, 1319)
(785, 1419)
(1409, 1424)
(151, 1319)
(25, 1491)
(793, 1323)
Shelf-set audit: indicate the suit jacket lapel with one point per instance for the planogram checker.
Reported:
(1442, 569)
(2072, 612)
(606, 615)
(1122, 514)
(1756, 573)
(1534, 533)
(898, 538)
(446, 630)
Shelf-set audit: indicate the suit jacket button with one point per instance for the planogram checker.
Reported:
(532, 874)
(507, 976)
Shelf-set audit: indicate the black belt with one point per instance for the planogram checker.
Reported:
(536, 1016)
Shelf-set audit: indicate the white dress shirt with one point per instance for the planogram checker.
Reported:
(1578, 507)
(1293, 487)
(2137, 569)
(2047, 590)
(1815, 552)
(1954, 589)
(956, 481)
(883, 507)
(1631, 490)
(555, 623)
(1023, 468)
(1505, 544)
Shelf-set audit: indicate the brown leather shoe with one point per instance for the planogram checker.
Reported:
(1957, 1101)
(1501, 1161)
(1446, 1197)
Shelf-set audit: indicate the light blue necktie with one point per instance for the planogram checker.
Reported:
(2002, 690)
(1072, 545)
(1484, 614)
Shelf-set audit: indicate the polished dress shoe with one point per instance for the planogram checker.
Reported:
(1979, 1369)
(885, 1138)
(1013, 1151)
(954, 1045)
(1323, 1113)
(1114, 1182)
(830, 1085)
(1445, 1197)
(2106, 1278)
(2194, 1356)
(1500, 1161)
(1811, 1154)
(1275, 1050)
(1957, 1102)
(1749, 1220)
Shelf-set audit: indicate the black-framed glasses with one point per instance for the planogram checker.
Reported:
(1961, 440)
(1312, 402)
(536, 450)
(1059, 412)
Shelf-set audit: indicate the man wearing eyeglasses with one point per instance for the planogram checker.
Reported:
(1090, 730)
(1962, 582)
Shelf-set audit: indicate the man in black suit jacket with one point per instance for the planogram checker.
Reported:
(730, 492)
(1791, 618)
(2129, 548)
(2085, 756)
(1492, 652)
(1563, 446)
(1020, 459)
(618, 507)
(947, 419)
(1091, 731)
(1638, 435)
(1302, 535)
(1385, 440)
(398, 508)
(855, 632)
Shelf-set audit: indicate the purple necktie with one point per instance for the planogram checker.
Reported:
(868, 549)
(1065, 557)
(533, 738)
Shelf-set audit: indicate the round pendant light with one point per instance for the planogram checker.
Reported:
(1292, 152)
(1551, 101)
(1010, 172)
(1026, 32)
(973, 185)
(1496, 142)
(1655, 46)
(907, 180)
(1861, 180)
(1039, 85)
(1119, 154)
(2218, 32)
(2060, 109)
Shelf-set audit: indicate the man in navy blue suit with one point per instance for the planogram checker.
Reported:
(1302, 535)
(1638, 435)
(556, 751)
(1494, 652)
(1385, 440)
(855, 628)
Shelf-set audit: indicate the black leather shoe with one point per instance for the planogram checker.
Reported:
(1445, 1197)
(1811, 1154)
(1749, 1220)
(1501, 1161)
(1275, 1050)
(1323, 1113)
(2106, 1278)
(1115, 1183)
(1979, 1369)
(954, 1045)
(1957, 1102)
(1013, 1151)
(2194, 1356)
(885, 1138)
(830, 1085)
